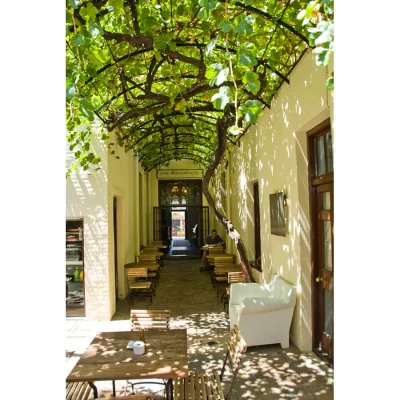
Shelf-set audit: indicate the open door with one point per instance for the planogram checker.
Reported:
(324, 270)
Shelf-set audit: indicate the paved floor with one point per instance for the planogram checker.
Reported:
(268, 372)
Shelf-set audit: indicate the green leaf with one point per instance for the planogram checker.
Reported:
(248, 2)
(245, 26)
(251, 110)
(225, 26)
(72, 90)
(252, 81)
(118, 6)
(203, 13)
(180, 10)
(246, 55)
(95, 30)
(210, 46)
(221, 77)
(86, 108)
(78, 40)
(330, 83)
(89, 12)
(221, 99)
(74, 3)
(208, 4)
(100, 55)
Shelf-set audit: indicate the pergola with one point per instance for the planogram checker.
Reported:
(179, 79)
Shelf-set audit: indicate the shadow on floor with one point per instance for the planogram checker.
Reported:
(267, 372)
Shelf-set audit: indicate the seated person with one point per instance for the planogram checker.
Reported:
(212, 240)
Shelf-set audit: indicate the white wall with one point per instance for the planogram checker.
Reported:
(91, 197)
(87, 198)
(122, 176)
(274, 153)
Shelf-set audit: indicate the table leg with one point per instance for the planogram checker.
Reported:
(92, 385)
(169, 390)
(113, 388)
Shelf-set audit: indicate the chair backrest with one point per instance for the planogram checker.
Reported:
(134, 273)
(221, 261)
(216, 250)
(147, 319)
(135, 396)
(234, 354)
(234, 277)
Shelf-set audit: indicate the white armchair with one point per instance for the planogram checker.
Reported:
(263, 312)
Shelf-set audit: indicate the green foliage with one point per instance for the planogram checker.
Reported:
(145, 66)
(318, 17)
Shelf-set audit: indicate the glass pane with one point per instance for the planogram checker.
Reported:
(320, 156)
(329, 150)
(328, 312)
(326, 201)
(327, 246)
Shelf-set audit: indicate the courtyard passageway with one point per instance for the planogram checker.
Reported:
(268, 372)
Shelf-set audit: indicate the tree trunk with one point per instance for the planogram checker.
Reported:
(222, 130)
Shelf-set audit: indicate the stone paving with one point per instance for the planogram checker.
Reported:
(268, 372)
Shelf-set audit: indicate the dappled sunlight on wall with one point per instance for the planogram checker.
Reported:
(86, 196)
(270, 153)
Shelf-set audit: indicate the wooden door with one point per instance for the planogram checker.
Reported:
(324, 282)
(157, 224)
(321, 191)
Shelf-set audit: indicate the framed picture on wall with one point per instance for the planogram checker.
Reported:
(277, 214)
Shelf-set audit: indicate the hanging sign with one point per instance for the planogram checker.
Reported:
(179, 173)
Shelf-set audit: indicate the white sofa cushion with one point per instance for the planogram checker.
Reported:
(259, 304)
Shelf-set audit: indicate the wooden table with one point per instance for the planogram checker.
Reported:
(228, 268)
(157, 253)
(223, 255)
(151, 265)
(107, 359)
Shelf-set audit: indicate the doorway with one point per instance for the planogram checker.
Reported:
(322, 223)
(178, 220)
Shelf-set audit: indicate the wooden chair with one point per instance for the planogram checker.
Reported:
(207, 385)
(211, 252)
(233, 277)
(136, 279)
(135, 396)
(151, 256)
(77, 391)
(149, 319)
(220, 279)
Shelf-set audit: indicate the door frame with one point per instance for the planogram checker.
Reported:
(314, 183)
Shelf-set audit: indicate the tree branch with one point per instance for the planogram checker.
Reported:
(222, 130)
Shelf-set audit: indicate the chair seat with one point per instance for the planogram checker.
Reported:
(77, 391)
(199, 385)
(139, 285)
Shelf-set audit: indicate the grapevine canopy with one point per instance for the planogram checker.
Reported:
(161, 73)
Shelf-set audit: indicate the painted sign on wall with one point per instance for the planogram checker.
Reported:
(179, 173)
